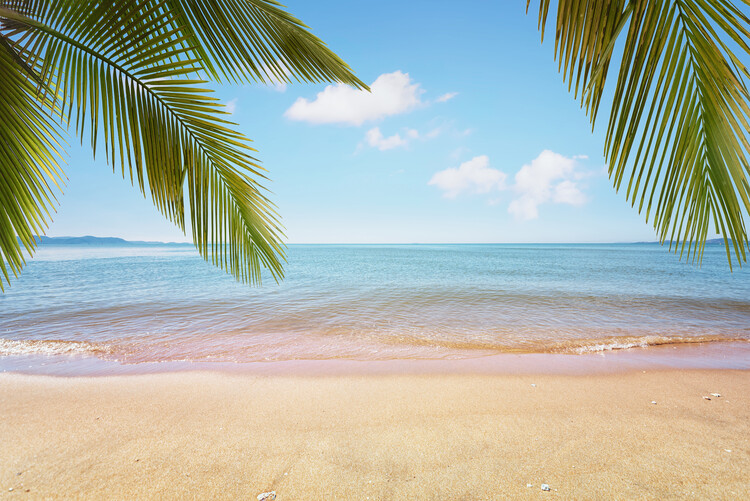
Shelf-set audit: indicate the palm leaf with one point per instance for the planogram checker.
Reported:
(257, 39)
(28, 163)
(678, 127)
(129, 77)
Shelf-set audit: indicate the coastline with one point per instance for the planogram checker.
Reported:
(701, 356)
(354, 434)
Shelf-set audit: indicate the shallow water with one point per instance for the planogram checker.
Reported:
(368, 302)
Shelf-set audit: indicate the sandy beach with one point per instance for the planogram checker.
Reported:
(210, 435)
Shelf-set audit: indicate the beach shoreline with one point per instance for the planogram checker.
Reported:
(344, 435)
(703, 356)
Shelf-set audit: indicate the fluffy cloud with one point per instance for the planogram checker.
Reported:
(549, 177)
(474, 176)
(375, 139)
(568, 193)
(390, 94)
(446, 97)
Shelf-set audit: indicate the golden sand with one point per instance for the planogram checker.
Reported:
(398, 436)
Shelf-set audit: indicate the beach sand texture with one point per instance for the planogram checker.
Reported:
(398, 436)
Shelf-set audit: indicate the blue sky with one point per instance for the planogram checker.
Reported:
(469, 135)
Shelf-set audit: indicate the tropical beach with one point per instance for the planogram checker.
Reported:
(332, 393)
(413, 250)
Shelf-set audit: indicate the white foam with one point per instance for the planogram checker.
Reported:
(45, 347)
(611, 347)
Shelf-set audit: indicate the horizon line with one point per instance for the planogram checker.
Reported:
(376, 243)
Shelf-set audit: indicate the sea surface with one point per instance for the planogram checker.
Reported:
(140, 304)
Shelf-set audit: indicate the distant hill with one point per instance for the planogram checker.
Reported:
(97, 241)
(708, 241)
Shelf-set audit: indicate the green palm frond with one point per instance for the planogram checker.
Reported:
(129, 77)
(258, 39)
(28, 163)
(678, 127)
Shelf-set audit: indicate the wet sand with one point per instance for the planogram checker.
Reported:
(203, 435)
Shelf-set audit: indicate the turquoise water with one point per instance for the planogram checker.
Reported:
(368, 302)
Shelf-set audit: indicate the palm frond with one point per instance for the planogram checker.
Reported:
(257, 39)
(129, 75)
(678, 128)
(128, 84)
(28, 164)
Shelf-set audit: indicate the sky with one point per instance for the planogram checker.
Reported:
(468, 136)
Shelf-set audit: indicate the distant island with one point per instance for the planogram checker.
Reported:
(708, 241)
(99, 241)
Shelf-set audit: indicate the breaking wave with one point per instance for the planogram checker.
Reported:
(10, 347)
(237, 351)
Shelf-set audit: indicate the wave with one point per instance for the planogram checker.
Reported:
(581, 346)
(405, 347)
(10, 347)
(568, 346)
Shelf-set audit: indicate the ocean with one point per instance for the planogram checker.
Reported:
(132, 305)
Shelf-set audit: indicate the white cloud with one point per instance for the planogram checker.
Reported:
(524, 208)
(446, 97)
(474, 176)
(568, 193)
(390, 94)
(548, 178)
(231, 106)
(375, 138)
